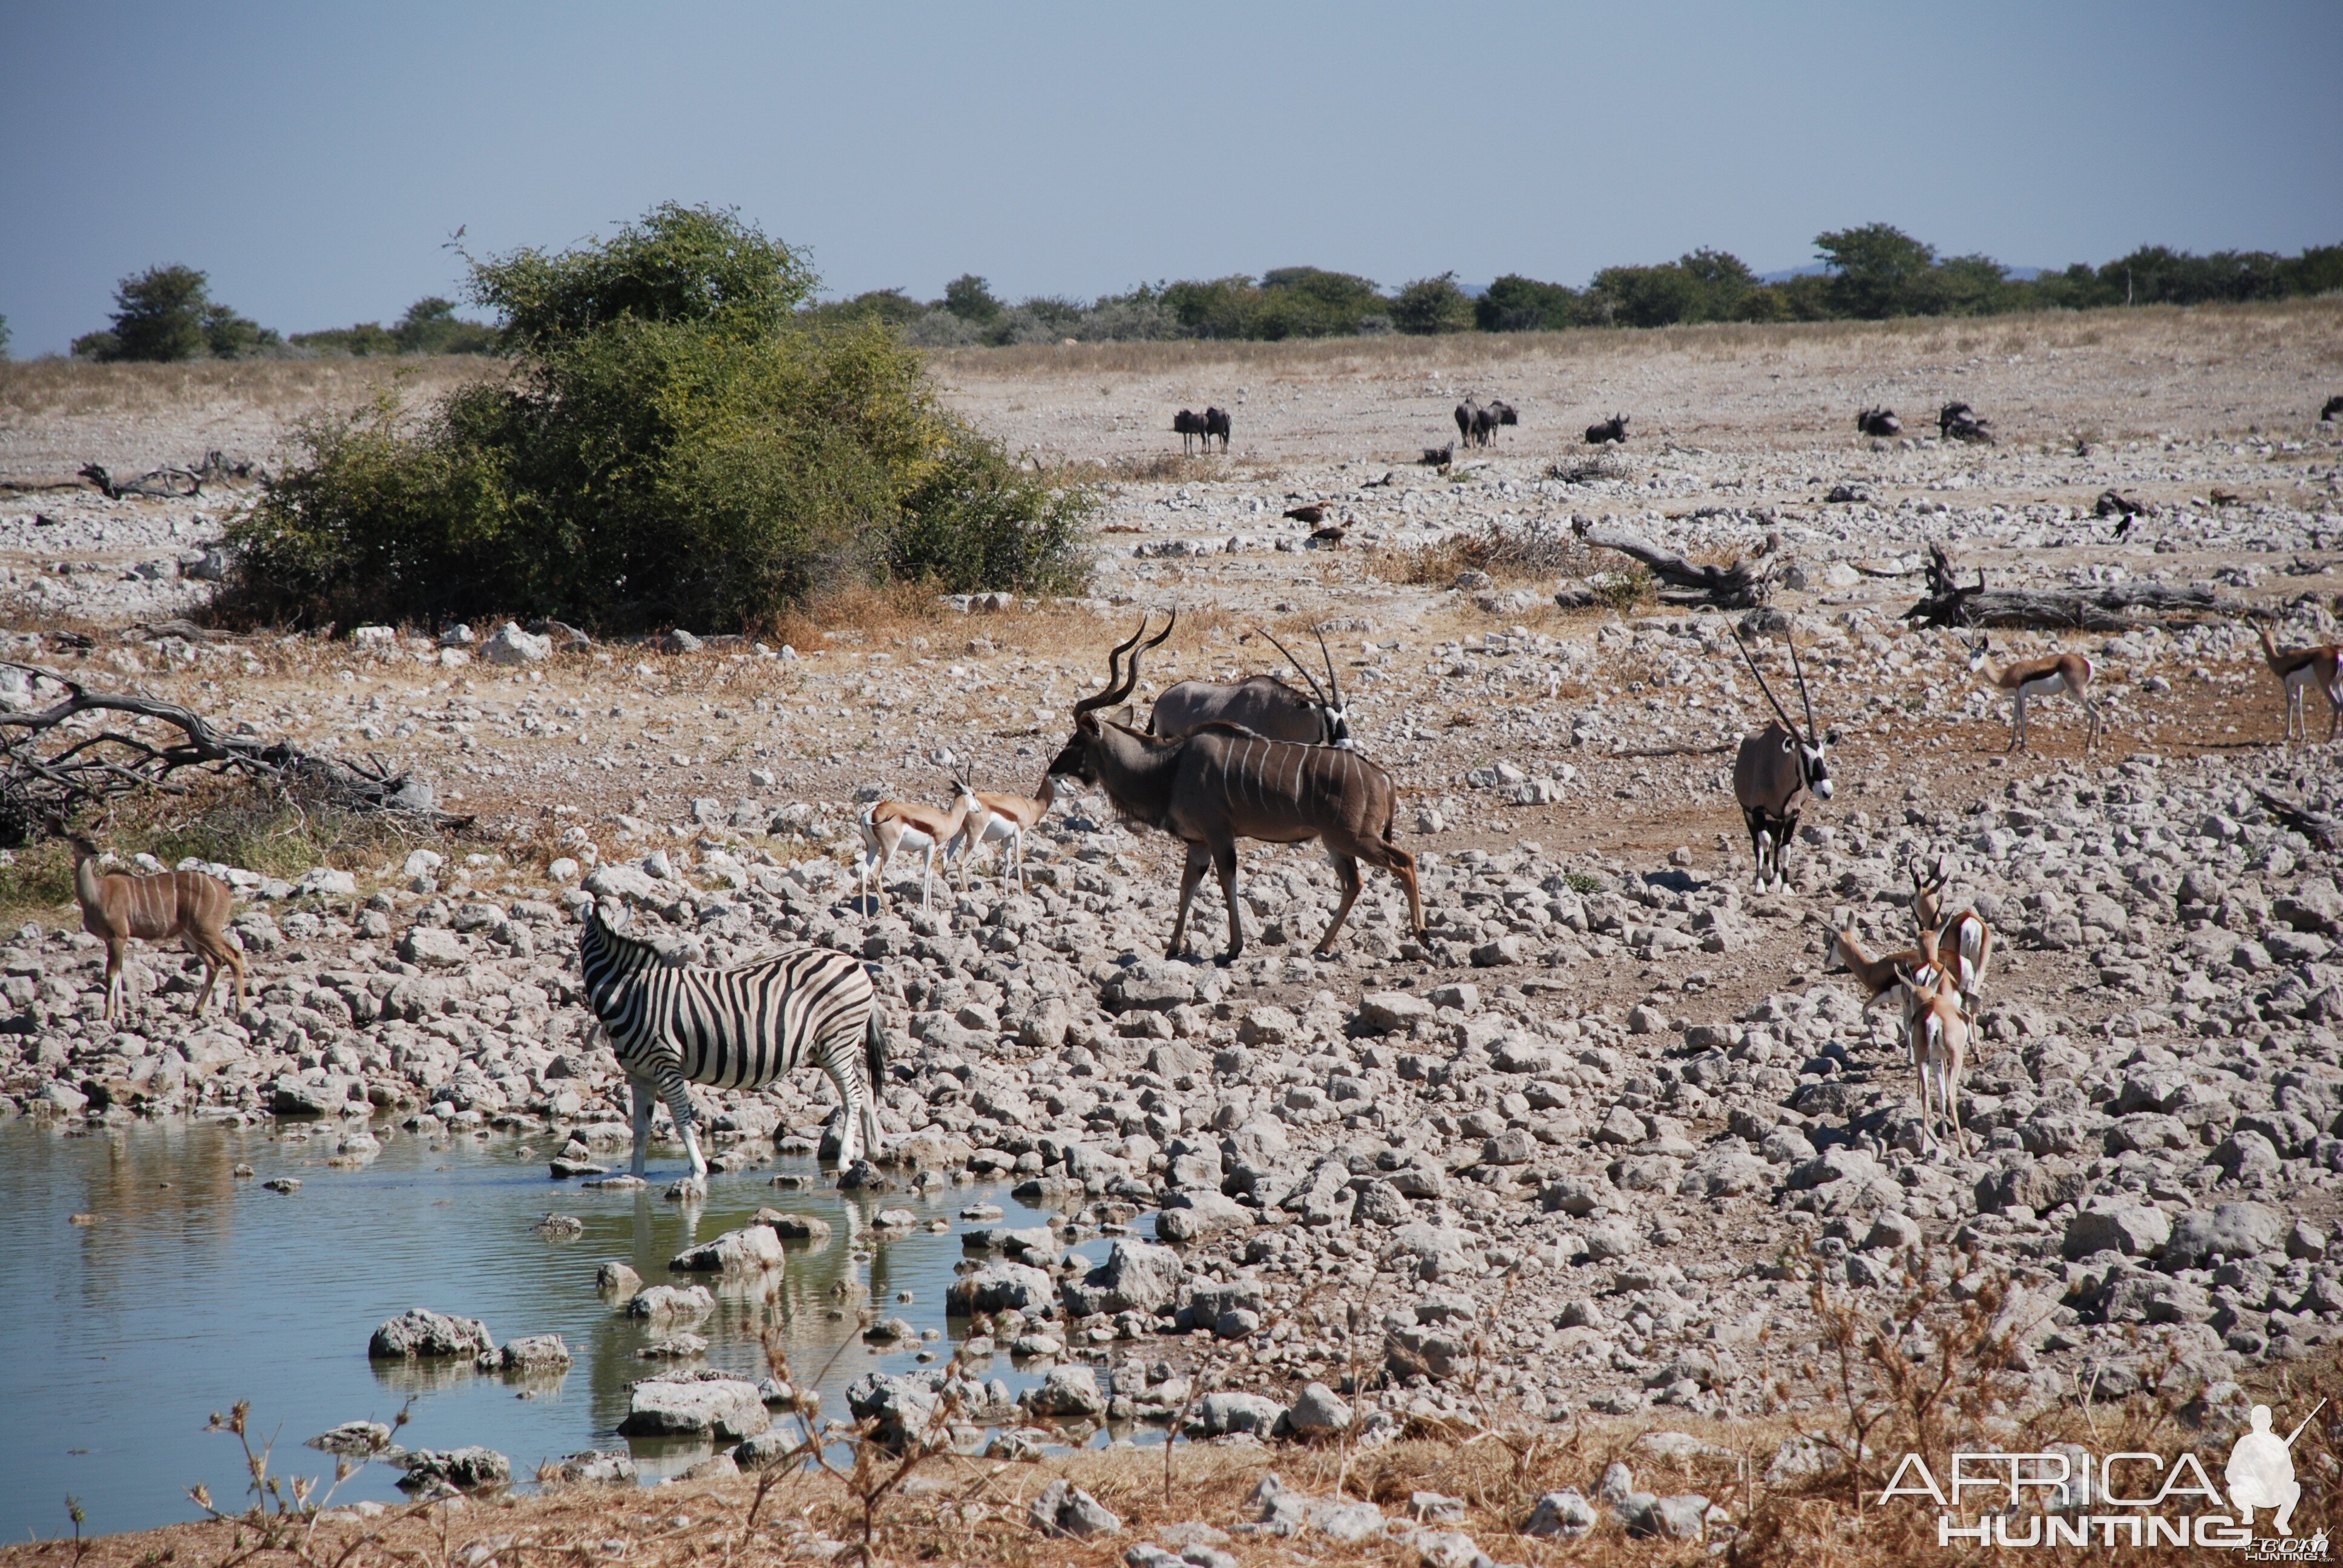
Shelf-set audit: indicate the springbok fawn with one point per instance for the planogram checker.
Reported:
(2298, 668)
(1003, 819)
(188, 905)
(1937, 1032)
(888, 826)
(2069, 672)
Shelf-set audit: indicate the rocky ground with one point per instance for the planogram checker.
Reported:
(1586, 1145)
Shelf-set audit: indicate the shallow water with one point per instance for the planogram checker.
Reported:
(193, 1289)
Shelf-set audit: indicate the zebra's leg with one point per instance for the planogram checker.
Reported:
(642, 1094)
(677, 1096)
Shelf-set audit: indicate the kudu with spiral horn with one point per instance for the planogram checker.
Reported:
(1222, 783)
(1775, 768)
(1260, 703)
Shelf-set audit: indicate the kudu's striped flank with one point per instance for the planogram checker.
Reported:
(188, 905)
(735, 1028)
(1222, 783)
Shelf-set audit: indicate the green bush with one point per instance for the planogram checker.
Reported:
(429, 327)
(1431, 304)
(165, 313)
(678, 447)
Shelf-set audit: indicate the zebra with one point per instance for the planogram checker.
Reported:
(735, 1028)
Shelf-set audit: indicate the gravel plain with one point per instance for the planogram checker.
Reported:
(1585, 1145)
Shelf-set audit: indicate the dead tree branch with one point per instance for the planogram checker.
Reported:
(1729, 587)
(52, 767)
(2118, 607)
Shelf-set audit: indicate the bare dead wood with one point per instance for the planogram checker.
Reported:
(2113, 609)
(51, 767)
(1731, 587)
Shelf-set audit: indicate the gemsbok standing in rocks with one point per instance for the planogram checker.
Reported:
(1937, 1031)
(1002, 820)
(1260, 703)
(2299, 670)
(190, 906)
(1965, 940)
(887, 826)
(1774, 768)
(1222, 783)
(2067, 673)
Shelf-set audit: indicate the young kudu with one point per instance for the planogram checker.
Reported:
(1260, 703)
(1222, 783)
(1775, 766)
(2299, 669)
(116, 905)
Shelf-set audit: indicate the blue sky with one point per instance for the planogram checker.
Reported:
(314, 159)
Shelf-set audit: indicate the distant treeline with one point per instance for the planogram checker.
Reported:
(1869, 274)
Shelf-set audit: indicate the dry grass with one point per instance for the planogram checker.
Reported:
(2312, 324)
(288, 388)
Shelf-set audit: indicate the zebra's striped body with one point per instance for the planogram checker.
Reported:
(735, 1029)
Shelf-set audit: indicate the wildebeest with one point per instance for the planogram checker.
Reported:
(1222, 783)
(1218, 423)
(1260, 703)
(2115, 504)
(1615, 428)
(1187, 425)
(1880, 422)
(2333, 406)
(1959, 422)
(1775, 766)
(1479, 424)
(1504, 412)
(1466, 412)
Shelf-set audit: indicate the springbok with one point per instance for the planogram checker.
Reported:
(2298, 668)
(1775, 766)
(1003, 819)
(1937, 1031)
(2069, 672)
(1876, 975)
(189, 905)
(1966, 936)
(1881, 423)
(1260, 703)
(887, 826)
(1220, 783)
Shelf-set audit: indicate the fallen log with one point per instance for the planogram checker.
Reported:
(2113, 608)
(1729, 587)
(51, 768)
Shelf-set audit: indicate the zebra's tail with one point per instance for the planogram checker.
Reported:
(874, 1049)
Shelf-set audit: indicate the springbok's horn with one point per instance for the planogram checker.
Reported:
(1333, 681)
(1773, 701)
(1814, 736)
(1299, 667)
(1109, 693)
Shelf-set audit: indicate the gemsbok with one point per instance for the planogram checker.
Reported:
(1003, 819)
(1260, 703)
(1773, 768)
(2297, 670)
(1220, 783)
(2067, 673)
(887, 826)
(191, 906)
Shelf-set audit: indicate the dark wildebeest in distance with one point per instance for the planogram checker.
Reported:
(1615, 428)
(1879, 422)
(1188, 426)
(1217, 423)
(1959, 422)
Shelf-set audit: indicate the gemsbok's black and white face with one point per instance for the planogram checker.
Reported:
(1814, 769)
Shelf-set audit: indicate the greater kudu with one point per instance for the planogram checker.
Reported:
(1260, 703)
(1221, 782)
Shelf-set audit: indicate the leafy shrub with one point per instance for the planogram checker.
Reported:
(678, 447)
(969, 297)
(167, 313)
(1431, 304)
(429, 327)
(1518, 304)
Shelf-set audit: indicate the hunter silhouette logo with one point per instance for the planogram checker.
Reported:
(2260, 1472)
